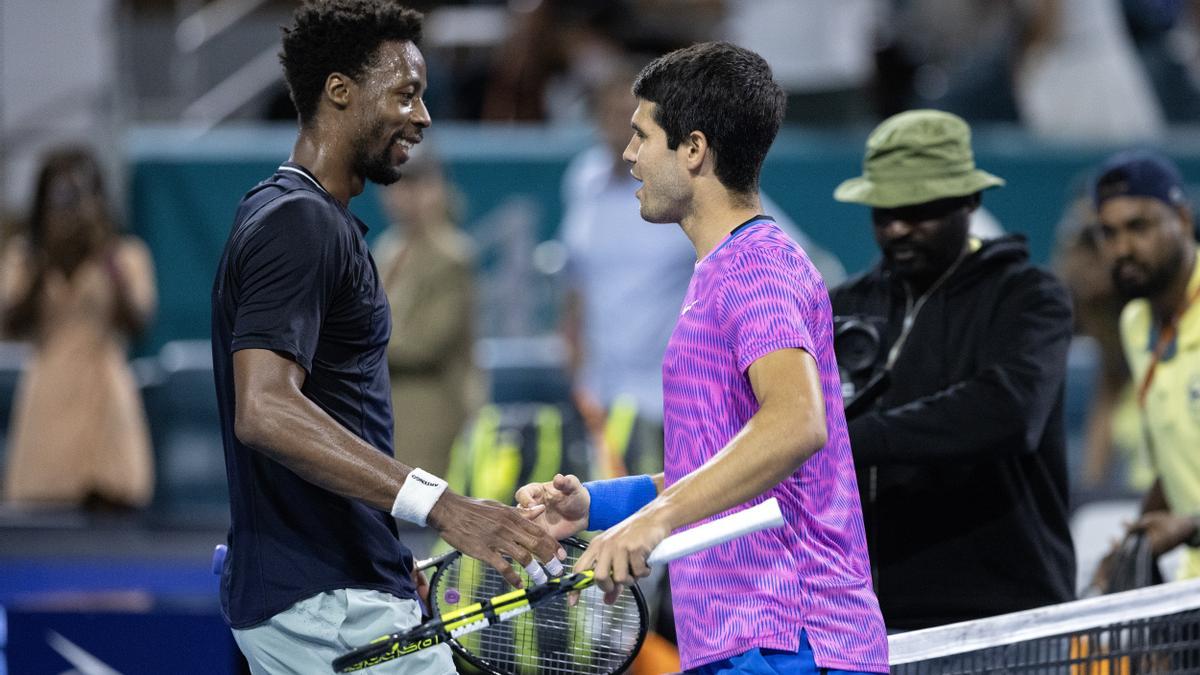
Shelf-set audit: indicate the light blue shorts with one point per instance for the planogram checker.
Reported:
(309, 635)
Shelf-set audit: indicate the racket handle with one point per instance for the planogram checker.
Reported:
(753, 519)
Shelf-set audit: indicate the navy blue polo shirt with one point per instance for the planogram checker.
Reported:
(297, 278)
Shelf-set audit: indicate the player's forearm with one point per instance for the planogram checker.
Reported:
(298, 434)
(770, 448)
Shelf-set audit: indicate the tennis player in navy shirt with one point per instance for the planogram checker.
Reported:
(300, 327)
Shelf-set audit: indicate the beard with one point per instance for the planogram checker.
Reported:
(930, 258)
(1155, 281)
(376, 167)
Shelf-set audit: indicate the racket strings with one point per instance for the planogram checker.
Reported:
(591, 638)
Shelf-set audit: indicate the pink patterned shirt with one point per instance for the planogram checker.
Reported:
(755, 293)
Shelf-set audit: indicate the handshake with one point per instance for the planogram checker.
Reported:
(550, 511)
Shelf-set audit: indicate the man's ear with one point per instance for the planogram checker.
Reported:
(339, 89)
(695, 149)
(1187, 219)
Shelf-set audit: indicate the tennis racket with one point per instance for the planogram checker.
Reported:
(502, 631)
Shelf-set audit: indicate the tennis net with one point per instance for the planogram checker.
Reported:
(1151, 630)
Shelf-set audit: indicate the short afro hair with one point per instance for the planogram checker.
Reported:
(340, 36)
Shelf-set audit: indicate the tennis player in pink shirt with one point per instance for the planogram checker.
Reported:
(752, 401)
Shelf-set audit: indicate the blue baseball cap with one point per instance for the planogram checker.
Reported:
(1139, 173)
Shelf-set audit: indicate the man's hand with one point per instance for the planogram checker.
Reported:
(1102, 577)
(1165, 530)
(490, 531)
(619, 555)
(422, 584)
(566, 504)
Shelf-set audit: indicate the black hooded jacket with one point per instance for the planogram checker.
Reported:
(962, 460)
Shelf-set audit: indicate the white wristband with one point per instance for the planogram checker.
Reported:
(417, 496)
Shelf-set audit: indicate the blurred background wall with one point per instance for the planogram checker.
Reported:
(183, 191)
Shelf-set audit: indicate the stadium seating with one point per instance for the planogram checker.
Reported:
(12, 359)
(181, 404)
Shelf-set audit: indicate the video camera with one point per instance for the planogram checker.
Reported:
(859, 346)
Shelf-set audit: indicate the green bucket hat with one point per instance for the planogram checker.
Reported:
(916, 157)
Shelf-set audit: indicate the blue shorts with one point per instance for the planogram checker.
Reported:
(771, 662)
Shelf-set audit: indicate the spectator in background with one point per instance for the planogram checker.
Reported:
(626, 281)
(1078, 76)
(959, 439)
(1164, 32)
(427, 268)
(554, 52)
(1109, 453)
(1063, 68)
(823, 62)
(515, 89)
(77, 289)
(954, 55)
(557, 50)
(1149, 238)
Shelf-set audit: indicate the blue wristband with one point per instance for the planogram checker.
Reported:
(616, 499)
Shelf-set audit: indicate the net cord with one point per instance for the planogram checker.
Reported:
(1043, 622)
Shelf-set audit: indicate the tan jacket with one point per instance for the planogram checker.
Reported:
(429, 282)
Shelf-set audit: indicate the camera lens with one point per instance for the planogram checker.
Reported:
(856, 343)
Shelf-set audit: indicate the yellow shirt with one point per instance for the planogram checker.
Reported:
(1172, 410)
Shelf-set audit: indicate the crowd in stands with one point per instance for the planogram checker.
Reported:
(1100, 70)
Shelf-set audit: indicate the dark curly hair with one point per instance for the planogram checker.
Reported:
(724, 91)
(340, 36)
